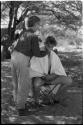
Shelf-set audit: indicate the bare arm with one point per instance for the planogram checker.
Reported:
(62, 80)
(54, 79)
(50, 77)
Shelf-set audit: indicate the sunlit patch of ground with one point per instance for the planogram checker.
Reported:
(56, 114)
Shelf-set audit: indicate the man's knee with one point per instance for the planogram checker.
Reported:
(69, 80)
(66, 80)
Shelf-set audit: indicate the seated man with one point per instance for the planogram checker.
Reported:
(48, 69)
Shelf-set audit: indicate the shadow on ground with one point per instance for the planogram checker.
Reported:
(57, 113)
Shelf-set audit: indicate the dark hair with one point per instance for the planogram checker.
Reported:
(51, 40)
(33, 20)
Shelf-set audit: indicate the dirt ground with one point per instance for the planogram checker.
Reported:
(57, 113)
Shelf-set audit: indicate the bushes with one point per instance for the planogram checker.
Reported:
(5, 54)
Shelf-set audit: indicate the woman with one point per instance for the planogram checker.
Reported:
(27, 46)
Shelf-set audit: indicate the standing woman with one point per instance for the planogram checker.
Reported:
(27, 46)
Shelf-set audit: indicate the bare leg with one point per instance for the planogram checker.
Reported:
(34, 89)
(36, 84)
(64, 82)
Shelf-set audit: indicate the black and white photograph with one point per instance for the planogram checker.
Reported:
(41, 62)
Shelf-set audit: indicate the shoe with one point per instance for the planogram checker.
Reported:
(22, 112)
(51, 102)
(56, 101)
(37, 105)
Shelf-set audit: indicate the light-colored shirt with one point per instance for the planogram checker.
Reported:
(39, 66)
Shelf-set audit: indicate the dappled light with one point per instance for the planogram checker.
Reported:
(61, 20)
(56, 114)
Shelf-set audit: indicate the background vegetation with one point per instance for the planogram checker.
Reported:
(63, 19)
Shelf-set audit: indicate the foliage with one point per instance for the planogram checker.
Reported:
(65, 13)
(13, 14)
(57, 113)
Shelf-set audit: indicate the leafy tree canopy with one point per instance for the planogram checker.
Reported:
(64, 13)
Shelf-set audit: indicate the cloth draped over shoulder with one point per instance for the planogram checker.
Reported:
(39, 66)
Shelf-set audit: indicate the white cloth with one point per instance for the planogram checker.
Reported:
(39, 66)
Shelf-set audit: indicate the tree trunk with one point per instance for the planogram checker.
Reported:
(14, 23)
(11, 14)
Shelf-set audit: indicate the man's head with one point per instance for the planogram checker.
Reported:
(34, 22)
(50, 42)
